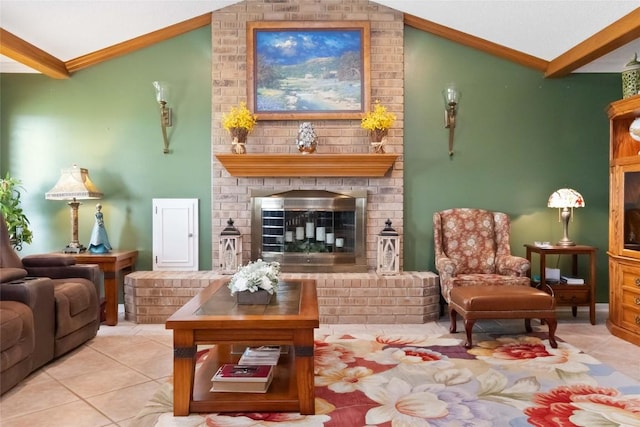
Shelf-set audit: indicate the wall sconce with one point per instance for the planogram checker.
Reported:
(563, 199)
(451, 99)
(388, 251)
(230, 249)
(162, 90)
(74, 184)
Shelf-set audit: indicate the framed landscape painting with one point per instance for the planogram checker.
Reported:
(308, 70)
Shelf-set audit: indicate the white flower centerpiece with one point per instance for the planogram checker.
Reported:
(256, 282)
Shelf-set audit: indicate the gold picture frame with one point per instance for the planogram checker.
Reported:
(308, 70)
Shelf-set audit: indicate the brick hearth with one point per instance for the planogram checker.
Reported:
(366, 298)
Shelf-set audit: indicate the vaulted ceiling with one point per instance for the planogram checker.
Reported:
(556, 37)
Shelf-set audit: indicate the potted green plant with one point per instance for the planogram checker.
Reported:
(15, 218)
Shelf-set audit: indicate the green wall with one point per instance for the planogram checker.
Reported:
(106, 118)
(519, 138)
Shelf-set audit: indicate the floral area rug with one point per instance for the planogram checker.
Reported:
(407, 381)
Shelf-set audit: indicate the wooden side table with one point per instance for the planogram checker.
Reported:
(570, 295)
(111, 264)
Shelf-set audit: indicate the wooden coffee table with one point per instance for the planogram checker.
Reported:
(213, 317)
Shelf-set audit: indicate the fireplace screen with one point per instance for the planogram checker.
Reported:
(310, 230)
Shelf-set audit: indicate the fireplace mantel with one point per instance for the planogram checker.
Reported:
(316, 165)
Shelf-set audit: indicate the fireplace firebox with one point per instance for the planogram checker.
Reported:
(310, 230)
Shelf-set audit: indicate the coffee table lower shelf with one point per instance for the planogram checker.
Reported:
(282, 395)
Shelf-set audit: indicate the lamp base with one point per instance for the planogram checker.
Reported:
(73, 249)
(566, 242)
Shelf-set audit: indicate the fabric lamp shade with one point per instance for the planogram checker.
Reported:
(74, 183)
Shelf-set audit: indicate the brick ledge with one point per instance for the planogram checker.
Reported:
(343, 298)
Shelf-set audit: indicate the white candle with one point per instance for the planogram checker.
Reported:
(330, 238)
(310, 230)
(320, 233)
(288, 236)
(299, 233)
(339, 242)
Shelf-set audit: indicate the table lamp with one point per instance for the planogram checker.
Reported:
(74, 184)
(563, 199)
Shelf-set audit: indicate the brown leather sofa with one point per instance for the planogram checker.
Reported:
(26, 330)
(48, 306)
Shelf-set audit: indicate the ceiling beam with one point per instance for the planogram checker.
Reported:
(476, 43)
(138, 43)
(25, 53)
(621, 32)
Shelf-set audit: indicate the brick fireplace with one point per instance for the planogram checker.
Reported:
(365, 297)
(231, 195)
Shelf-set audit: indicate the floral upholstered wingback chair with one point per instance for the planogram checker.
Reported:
(472, 249)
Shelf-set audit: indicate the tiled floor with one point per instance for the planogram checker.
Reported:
(108, 380)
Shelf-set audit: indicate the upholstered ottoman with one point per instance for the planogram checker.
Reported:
(502, 302)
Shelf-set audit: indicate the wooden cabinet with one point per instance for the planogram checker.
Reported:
(624, 222)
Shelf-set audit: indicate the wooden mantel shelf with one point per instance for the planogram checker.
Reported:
(316, 165)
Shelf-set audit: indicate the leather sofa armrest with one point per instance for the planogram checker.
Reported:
(84, 271)
(37, 293)
(90, 272)
(9, 274)
(48, 260)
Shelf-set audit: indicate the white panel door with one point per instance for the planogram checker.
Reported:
(175, 234)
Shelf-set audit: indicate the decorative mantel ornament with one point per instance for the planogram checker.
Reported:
(378, 122)
(238, 144)
(254, 278)
(378, 137)
(239, 122)
(307, 140)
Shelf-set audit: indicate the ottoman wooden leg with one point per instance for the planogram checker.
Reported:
(553, 323)
(527, 325)
(468, 327)
(453, 318)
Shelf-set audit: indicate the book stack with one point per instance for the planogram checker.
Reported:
(571, 280)
(263, 355)
(242, 378)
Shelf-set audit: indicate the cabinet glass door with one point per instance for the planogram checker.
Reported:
(631, 207)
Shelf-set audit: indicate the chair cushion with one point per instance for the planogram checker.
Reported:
(16, 330)
(502, 298)
(488, 279)
(76, 295)
(468, 237)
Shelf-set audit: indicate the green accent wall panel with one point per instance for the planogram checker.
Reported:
(105, 118)
(518, 138)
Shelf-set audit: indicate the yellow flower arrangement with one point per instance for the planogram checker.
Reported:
(239, 122)
(378, 119)
(239, 118)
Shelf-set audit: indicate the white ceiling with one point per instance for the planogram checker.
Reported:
(68, 29)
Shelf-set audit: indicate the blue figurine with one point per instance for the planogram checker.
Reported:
(99, 243)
